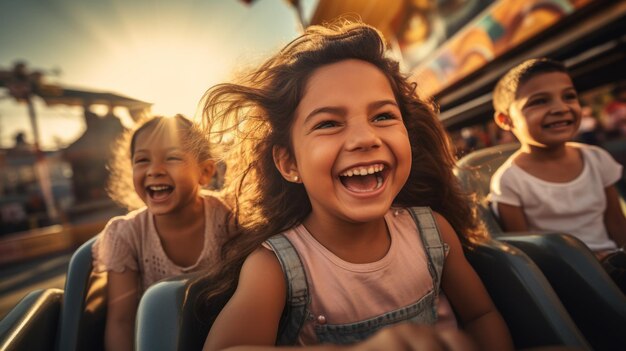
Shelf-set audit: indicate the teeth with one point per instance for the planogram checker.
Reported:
(558, 124)
(158, 187)
(363, 170)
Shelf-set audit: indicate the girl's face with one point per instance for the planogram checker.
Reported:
(350, 146)
(165, 176)
(546, 111)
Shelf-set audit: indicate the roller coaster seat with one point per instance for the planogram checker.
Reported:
(52, 319)
(83, 315)
(167, 317)
(32, 323)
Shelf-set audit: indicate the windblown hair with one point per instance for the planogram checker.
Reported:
(120, 184)
(257, 113)
(506, 89)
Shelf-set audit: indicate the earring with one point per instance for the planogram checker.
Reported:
(296, 179)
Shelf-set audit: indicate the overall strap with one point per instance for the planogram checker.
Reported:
(298, 298)
(435, 247)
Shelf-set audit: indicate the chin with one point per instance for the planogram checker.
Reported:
(364, 215)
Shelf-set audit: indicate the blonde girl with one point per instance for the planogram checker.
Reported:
(177, 230)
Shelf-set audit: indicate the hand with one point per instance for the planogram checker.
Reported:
(413, 337)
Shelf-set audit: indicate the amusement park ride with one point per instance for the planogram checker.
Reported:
(549, 287)
(24, 86)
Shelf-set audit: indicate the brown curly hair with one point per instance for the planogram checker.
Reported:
(120, 184)
(256, 114)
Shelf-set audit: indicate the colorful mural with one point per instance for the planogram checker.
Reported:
(498, 29)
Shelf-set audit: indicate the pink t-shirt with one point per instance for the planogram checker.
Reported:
(132, 242)
(345, 292)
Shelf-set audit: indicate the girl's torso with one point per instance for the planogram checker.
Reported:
(132, 242)
(348, 301)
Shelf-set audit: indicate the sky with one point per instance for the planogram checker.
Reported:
(164, 52)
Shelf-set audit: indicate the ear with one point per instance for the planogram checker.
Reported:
(207, 170)
(285, 164)
(503, 121)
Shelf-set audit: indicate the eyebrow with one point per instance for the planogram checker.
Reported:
(169, 149)
(566, 89)
(337, 110)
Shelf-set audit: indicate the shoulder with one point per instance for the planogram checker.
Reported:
(600, 163)
(215, 205)
(445, 228)
(129, 223)
(262, 270)
(506, 171)
(446, 232)
(593, 153)
(217, 213)
(118, 245)
(262, 259)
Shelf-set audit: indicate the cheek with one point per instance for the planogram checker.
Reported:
(315, 156)
(137, 175)
(405, 158)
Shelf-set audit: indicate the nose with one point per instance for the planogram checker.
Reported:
(362, 136)
(156, 169)
(559, 106)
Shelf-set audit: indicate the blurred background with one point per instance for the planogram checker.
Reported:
(75, 73)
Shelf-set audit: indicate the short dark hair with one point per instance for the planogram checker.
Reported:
(506, 89)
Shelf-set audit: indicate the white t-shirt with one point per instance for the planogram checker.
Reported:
(576, 207)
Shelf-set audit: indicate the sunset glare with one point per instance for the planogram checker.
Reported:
(164, 53)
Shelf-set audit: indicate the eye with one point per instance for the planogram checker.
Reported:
(174, 158)
(384, 116)
(537, 101)
(570, 96)
(140, 160)
(325, 125)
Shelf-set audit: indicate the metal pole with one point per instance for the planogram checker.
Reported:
(41, 165)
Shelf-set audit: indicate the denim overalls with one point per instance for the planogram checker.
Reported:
(424, 311)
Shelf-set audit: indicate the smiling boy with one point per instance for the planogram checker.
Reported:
(550, 183)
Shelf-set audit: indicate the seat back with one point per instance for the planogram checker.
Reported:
(83, 315)
(595, 303)
(167, 318)
(32, 323)
(524, 297)
(475, 170)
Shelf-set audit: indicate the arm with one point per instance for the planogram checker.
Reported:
(468, 296)
(614, 217)
(512, 218)
(122, 290)
(252, 314)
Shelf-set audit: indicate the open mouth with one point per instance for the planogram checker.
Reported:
(159, 192)
(558, 124)
(363, 179)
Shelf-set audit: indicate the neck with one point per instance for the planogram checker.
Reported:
(545, 152)
(352, 242)
(184, 217)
